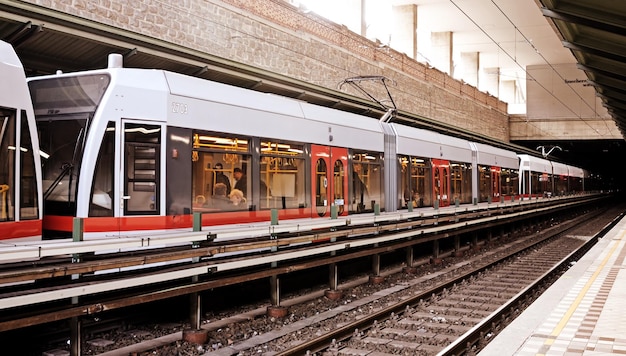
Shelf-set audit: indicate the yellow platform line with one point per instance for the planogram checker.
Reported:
(565, 319)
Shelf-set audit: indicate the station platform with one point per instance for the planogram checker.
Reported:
(583, 313)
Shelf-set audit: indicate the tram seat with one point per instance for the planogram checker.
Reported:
(199, 201)
(4, 188)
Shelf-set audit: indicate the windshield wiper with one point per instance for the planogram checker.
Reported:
(67, 168)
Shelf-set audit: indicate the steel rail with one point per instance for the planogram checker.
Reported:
(78, 289)
(470, 338)
(33, 250)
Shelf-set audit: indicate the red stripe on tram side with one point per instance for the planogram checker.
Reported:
(57, 223)
(238, 217)
(138, 223)
(20, 229)
(111, 224)
(146, 223)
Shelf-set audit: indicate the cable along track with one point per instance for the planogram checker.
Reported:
(455, 316)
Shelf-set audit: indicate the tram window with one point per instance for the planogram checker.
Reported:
(282, 175)
(367, 179)
(28, 181)
(215, 158)
(421, 179)
(461, 180)
(437, 184)
(142, 166)
(576, 184)
(405, 191)
(62, 140)
(7, 164)
(528, 183)
(509, 182)
(444, 183)
(102, 185)
(484, 183)
(560, 185)
(338, 188)
(544, 184)
(415, 181)
(68, 95)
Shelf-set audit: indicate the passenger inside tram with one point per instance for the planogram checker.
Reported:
(359, 188)
(237, 199)
(220, 200)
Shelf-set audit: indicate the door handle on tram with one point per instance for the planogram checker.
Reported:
(124, 197)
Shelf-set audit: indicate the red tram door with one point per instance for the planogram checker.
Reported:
(441, 182)
(329, 177)
(495, 184)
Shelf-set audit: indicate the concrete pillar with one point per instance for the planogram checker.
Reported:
(333, 276)
(333, 293)
(75, 336)
(457, 246)
(409, 256)
(441, 45)
(508, 91)
(470, 62)
(352, 15)
(489, 81)
(274, 290)
(404, 29)
(376, 264)
(435, 259)
(376, 278)
(195, 308)
(363, 21)
(276, 310)
(409, 268)
(475, 241)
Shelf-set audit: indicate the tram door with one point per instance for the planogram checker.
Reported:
(141, 162)
(441, 182)
(329, 177)
(495, 184)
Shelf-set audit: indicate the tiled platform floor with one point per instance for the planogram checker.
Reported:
(583, 313)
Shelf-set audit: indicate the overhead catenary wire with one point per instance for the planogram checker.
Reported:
(512, 57)
(286, 43)
(529, 42)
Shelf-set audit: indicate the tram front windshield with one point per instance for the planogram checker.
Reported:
(64, 108)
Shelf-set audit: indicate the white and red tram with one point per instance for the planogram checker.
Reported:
(135, 149)
(20, 173)
(141, 150)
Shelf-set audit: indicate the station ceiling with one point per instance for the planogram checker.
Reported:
(511, 35)
(47, 41)
(595, 33)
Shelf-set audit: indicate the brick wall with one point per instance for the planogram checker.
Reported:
(274, 35)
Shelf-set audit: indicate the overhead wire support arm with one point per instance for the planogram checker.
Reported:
(546, 154)
(391, 112)
(355, 82)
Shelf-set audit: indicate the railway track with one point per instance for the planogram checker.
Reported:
(418, 321)
(427, 325)
(432, 279)
(55, 276)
